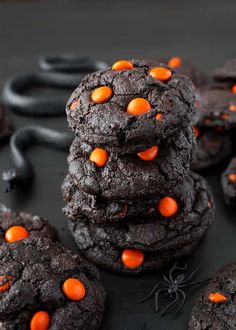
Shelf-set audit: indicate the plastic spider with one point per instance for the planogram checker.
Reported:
(172, 285)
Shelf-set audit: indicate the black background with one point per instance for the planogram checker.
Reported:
(202, 31)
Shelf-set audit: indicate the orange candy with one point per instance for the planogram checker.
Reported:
(99, 157)
(232, 177)
(101, 94)
(122, 65)
(149, 154)
(132, 258)
(175, 62)
(74, 105)
(167, 206)
(234, 89)
(5, 283)
(74, 289)
(138, 106)
(217, 297)
(158, 116)
(16, 233)
(160, 73)
(40, 321)
(232, 107)
(196, 131)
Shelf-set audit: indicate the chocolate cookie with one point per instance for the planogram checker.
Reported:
(216, 307)
(121, 175)
(46, 286)
(227, 72)
(216, 107)
(14, 226)
(213, 147)
(156, 241)
(228, 181)
(5, 126)
(129, 103)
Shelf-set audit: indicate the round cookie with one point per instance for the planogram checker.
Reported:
(5, 126)
(44, 277)
(120, 175)
(213, 148)
(228, 181)
(13, 225)
(227, 72)
(159, 240)
(216, 107)
(216, 307)
(100, 111)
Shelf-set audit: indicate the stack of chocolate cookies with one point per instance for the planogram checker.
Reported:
(132, 203)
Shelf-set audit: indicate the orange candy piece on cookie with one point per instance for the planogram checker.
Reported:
(234, 89)
(5, 283)
(149, 154)
(122, 65)
(167, 207)
(232, 177)
(40, 321)
(196, 131)
(232, 107)
(160, 73)
(175, 62)
(99, 157)
(101, 94)
(217, 297)
(16, 233)
(132, 258)
(74, 289)
(138, 106)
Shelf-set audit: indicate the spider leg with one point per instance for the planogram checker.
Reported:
(156, 299)
(168, 307)
(191, 275)
(151, 293)
(195, 282)
(174, 268)
(169, 281)
(183, 301)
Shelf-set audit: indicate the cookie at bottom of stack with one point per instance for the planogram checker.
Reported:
(138, 247)
(216, 308)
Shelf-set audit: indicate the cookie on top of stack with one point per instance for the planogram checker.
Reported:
(132, 203)
(42, 284)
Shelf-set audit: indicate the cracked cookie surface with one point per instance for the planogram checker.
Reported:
(109, 124)
(37, 270)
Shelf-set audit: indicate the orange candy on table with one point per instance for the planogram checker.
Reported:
(160, 73)
(132, 258)
(234, 89)
(175, 62)
(149, 154)
(101, 94)
(167, 207)
(138, 106)
(74, 289)
(16, 233)
(232, 177)
(217, 297)
(122, 65)
(40, 321)
(99, 157)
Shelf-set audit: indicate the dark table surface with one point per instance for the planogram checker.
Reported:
(202, 31)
